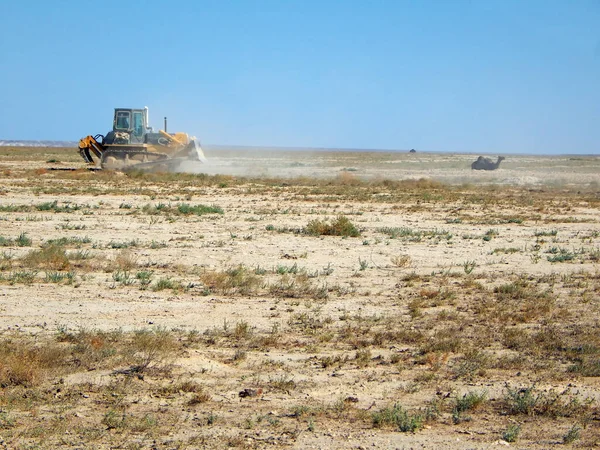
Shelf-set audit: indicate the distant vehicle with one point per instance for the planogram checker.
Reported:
(412, 150)
(133, 144)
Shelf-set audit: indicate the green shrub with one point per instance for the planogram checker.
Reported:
(397, 417)
(23, 240)
(521, 400)
(572, 435)
(145, 278)
(164, 283)
(512, 433)
(198, 210)
(22, 276)
(57, 277)
(69, 241)
(468, 402)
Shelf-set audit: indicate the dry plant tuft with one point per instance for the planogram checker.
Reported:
(522, 302)
(151, 348)
(25, 364)
(52, 257)
(341, 226)
(237, 279)
(125, 260)
(401, 260)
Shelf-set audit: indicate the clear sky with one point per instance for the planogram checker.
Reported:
(494, 76)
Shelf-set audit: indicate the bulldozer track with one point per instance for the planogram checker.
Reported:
(123, 155)
(72, 169)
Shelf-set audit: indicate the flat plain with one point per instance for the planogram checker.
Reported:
(296, 299)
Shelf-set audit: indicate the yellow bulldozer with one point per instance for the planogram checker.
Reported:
(132, 144)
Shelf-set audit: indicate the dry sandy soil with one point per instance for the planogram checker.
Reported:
(219, 309)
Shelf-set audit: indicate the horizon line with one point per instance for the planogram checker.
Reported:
(9, 142)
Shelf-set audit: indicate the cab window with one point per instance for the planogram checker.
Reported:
(138, 124)
(122, 120)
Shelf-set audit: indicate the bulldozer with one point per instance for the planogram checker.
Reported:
(132, 144)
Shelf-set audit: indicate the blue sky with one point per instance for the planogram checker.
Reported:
(494, 76)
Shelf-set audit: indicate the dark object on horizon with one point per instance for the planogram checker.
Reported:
(486, 163)
(412, 150)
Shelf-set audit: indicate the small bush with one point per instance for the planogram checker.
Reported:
(469, 266)
(198, 210)
(80, 255)
(125, 260)
(68, 241)
(58, 277)
(114, 419)
(467, 402)
(52, 257)
(401, 260)
(400, 232)
(490, 234)
(164, 283)
(363, 358)
(242, 330)
(296, 287)
(189, 386)
(122, 244)
(238, 279)
(199, 397)
(522, 301)
(23, 364)
(282, 383)
(341, 226)
(396, 416)
(572, 435)
(23, 240)
(586, 366)
(512, 433)
(22, 276)
(93, 348)
(471, 364)
(563, 256)
(53, 206)
(414, 235)
(521, 400)
(145, 278)
(123, 277)
(151, 348)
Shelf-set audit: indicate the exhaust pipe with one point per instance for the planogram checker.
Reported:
(165, 124)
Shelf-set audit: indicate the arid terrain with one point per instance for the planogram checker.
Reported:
(335, 300)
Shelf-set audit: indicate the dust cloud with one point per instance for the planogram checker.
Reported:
(263, 164)
(447, 168)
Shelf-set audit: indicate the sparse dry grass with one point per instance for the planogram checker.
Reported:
(244, 327)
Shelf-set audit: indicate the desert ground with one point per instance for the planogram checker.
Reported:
(296, 299)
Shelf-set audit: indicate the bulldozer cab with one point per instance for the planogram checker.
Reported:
(132, 121)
